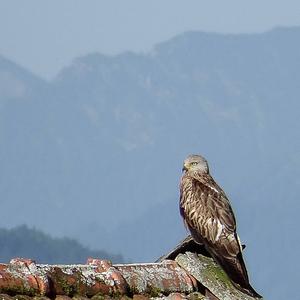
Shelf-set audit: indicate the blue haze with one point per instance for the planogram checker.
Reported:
(96, 153)
(46, 35)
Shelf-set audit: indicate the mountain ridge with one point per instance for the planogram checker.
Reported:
(100, 147)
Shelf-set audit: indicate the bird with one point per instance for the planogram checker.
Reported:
(208, 215)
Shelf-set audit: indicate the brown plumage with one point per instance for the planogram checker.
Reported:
(208, 215)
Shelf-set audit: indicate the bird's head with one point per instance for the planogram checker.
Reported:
(195, 163)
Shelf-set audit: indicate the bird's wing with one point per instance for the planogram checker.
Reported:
(205, 207)
(209, 216)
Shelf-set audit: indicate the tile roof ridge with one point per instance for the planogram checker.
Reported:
(26, 277)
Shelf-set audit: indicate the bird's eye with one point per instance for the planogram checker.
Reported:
(194, 163)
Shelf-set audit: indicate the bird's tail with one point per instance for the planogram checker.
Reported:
(236, 270)
(249, 290)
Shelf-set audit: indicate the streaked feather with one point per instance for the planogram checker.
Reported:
(208, 215)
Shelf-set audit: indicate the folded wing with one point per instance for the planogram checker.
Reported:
(208, 215)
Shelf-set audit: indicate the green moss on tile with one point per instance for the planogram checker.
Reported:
(153, 291)
(19, 290)
(214, 272)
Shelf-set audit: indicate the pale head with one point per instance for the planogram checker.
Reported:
(195, 163)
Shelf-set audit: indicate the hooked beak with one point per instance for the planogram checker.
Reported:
(184, 169)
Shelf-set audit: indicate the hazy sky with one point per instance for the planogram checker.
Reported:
(44, 35)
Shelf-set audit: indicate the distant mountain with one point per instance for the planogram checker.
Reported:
(16, 82)
(24, 242)
(99, 149)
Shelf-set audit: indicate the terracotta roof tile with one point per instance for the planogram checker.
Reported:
(98, 279)
(180, 275)
(155, 278)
